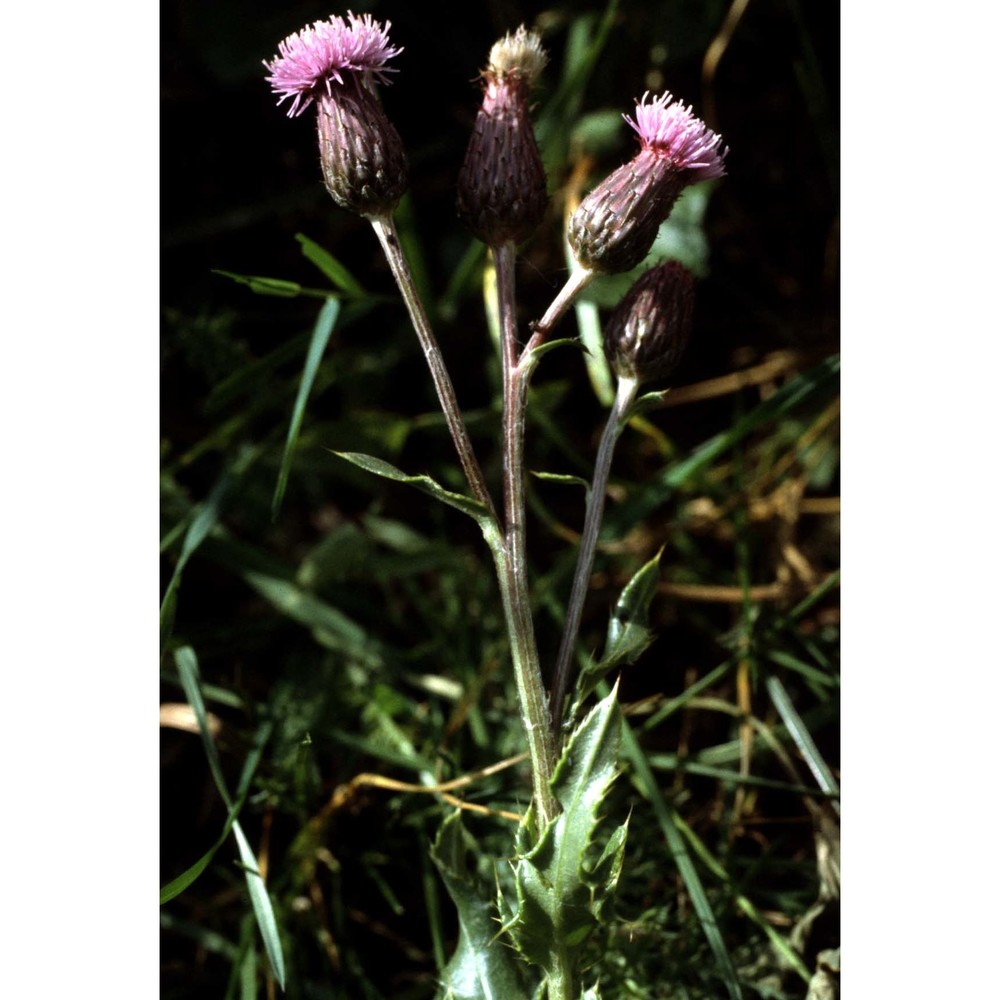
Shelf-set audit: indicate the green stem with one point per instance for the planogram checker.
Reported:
(617, 419)
(513, 573)
(385, 230)
(562, 985)
(575, 283)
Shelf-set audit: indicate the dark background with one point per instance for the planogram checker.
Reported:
(239, 179)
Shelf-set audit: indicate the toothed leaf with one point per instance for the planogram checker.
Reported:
(629, 634)
(483, 967)
(561, 889)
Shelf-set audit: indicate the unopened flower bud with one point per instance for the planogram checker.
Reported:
(335, 63)
(647, 333)
(501, 186)
(616, 224)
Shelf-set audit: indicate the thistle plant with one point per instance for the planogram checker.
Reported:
(526, 935)
(521, 680)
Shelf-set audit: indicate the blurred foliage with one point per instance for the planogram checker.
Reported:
(357, 624)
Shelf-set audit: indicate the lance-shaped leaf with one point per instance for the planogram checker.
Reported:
(483, 966)
(274, 286)
(467, 505)
(560, 889)
(629, 634)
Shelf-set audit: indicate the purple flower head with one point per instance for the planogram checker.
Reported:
(666, 126)
(310, 61)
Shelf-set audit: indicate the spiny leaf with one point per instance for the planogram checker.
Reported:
(649, 401)
(560, 894)
(629, 634)
(552, 345)
(483, 967)
(563, 478)
(631, 613)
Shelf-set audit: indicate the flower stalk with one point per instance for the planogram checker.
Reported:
(617, 419)
(385, 230)
(644, 339)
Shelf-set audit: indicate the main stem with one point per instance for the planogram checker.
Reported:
(385, 230)
(617, 418)
(514, 572)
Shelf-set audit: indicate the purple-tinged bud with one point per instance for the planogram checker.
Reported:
(647, 333)
(362, 156)
(616, 224)
(334, 64)
(501, 186)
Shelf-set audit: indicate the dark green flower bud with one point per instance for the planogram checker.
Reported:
(647, 333)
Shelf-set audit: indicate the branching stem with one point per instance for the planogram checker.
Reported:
(577, 281)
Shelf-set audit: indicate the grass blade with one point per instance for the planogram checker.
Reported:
(682, 858)
(201, 524)
(320, 338)
(261, 903)
(803, 740)
(187, 667)
(816, 381)
(780, 944)
(806, 387)
(330, 627)
(177, 885)
(331, 267)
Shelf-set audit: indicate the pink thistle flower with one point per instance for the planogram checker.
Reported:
(310, 61)
(334, 64)
(616, 224)
(669, 127)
